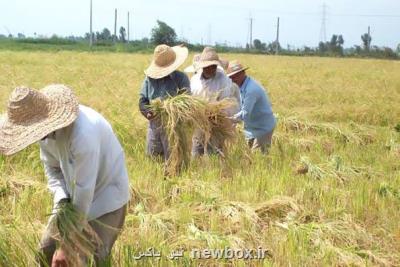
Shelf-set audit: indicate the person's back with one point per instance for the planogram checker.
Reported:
(89, 147)
(256, 110)
(261, 119)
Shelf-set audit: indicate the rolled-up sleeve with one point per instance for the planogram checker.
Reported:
(86, 157)
(56, 181)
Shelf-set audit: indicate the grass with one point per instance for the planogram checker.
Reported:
(328, 193)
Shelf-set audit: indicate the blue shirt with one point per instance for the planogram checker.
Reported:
(256, 111)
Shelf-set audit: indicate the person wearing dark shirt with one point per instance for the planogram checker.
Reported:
(162, 81)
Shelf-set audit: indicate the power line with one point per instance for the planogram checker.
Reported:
(366, 15)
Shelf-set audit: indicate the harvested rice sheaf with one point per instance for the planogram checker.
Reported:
(180, 115)
(73, 234)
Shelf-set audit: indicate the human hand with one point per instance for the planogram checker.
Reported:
(150, 115)
(59, 259)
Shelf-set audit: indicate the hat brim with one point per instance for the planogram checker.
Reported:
(63, 111)
(236, 72)
(205, 64)
(157, 72)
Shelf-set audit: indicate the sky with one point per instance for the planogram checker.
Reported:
(210, 21)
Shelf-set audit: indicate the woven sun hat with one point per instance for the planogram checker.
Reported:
(209, 57)
(166, 60)
(235, 67)
(32, 115)
(224, 64)
(192, 68)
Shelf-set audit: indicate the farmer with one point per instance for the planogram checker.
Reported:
(256, 110)
(83, 161)
(213, 84)
(193, 68)
(196, 58)
(162, 81)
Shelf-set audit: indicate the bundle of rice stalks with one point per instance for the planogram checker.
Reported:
(179, 115)
(335, 167)
(73, 234)
(357, 134)
(15, 186)
(279, 210)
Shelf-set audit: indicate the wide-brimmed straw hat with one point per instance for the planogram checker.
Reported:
(32, 115)
(209, 57)
(166, 60)
(235, 67)
(192, 68)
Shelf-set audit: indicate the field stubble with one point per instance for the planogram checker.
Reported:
(328, 193)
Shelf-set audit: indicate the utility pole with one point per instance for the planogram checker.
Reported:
(115, 27)
(323, 24)
(251, 32)
(128, 28)
(277, 39)
(91, 25)
(209, 35)
(369, 38)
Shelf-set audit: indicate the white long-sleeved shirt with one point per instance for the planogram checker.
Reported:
(215, 89)
(85, 162)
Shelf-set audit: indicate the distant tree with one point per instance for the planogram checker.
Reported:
(398, 49)
(322, 48)
(258, 45)
(358, 49)
(87, 36)
(340, 41)
(105, 35)
(366, 39)
(333, 42)
(122, 34)
(308, 50)
(163, 34)
(21, 36)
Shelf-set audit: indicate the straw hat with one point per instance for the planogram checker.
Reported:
(208, 58)
(166, 60)
(32, 115)
(235, 67)
(192, 68)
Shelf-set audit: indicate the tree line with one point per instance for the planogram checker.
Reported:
(162, 33)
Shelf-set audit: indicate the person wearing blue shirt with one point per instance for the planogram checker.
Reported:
(256, 111)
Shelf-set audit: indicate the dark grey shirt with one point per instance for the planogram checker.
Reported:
(171, 85)
(164, 87)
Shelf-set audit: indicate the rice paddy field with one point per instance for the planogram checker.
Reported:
(328, 194)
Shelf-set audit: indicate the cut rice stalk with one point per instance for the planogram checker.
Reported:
(179, 116)
(73, 234)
